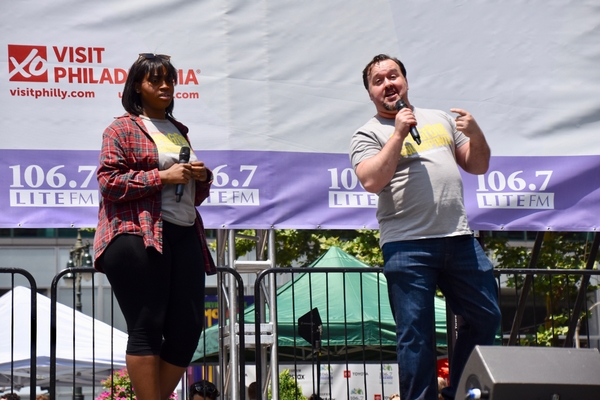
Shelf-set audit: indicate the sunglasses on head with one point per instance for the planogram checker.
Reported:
(151, 56)
(206, 390)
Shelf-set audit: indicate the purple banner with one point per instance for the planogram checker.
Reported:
(252, 189)
(48, 188)
(536, 194)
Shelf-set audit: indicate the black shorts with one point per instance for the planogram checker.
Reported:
(161, 295)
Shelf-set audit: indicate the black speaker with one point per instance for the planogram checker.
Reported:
(530, 373)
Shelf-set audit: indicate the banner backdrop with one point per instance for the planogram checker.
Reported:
(272, 92)
(341, 381)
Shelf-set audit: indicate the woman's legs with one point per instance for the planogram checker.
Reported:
(152, 377)
(144, 373)
(139, 278)
(169, 376)
(151, 290)
(185, 312)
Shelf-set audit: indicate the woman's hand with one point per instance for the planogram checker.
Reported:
(199, 171)
(177, 173)
(182, 173)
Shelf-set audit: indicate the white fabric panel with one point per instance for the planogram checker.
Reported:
(286, 75)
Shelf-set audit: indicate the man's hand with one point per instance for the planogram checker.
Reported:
(473, 156)
(404, 120)
(466, 123)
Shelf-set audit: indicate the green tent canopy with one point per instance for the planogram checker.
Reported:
(353, 307)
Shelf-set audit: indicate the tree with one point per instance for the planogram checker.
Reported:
(288, 387)
(305, 246)
(560, 250)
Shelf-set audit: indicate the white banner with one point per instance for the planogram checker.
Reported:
(280, 82)
(341, 381)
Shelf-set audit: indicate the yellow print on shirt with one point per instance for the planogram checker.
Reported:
(169, 142)
(432, 136)
(177, 138)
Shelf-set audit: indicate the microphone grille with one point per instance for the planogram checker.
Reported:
(185, 151)
(184, 154)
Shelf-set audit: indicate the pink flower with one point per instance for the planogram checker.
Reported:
(118, 387)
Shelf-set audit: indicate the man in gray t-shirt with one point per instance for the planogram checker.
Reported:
(425, 236)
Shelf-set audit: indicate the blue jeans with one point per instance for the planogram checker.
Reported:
(464, 274)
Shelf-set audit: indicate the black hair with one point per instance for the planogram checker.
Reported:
(11, 396)
(252, 395)
(204, 388)
(142, 68)
(376, 60)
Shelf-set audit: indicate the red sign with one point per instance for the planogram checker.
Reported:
(27, 63)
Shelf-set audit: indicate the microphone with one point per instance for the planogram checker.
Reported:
(184, 158)
(475, 393)
(400, 104)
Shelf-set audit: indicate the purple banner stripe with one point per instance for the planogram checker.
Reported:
(252, 189)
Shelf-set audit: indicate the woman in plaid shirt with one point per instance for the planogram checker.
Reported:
(150, 242)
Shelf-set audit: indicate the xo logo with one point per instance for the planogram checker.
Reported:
(27, 63)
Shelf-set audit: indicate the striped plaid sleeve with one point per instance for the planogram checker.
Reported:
(121, 176)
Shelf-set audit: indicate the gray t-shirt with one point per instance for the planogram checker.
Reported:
(169, 142)
(424, 199)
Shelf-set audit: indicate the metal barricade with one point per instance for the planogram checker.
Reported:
(16, 373)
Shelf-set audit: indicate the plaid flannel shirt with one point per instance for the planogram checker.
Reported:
(130, 188)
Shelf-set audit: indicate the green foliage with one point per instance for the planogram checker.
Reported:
(306, 246)
(549, 335)
(364, 245)
(560, 250)
(288, 387)
(117, 386)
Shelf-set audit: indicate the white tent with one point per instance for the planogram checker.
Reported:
(98, 347)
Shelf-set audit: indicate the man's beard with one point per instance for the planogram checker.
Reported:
(389, 107)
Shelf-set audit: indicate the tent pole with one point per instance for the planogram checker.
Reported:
(273, 317)
(233, 350)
